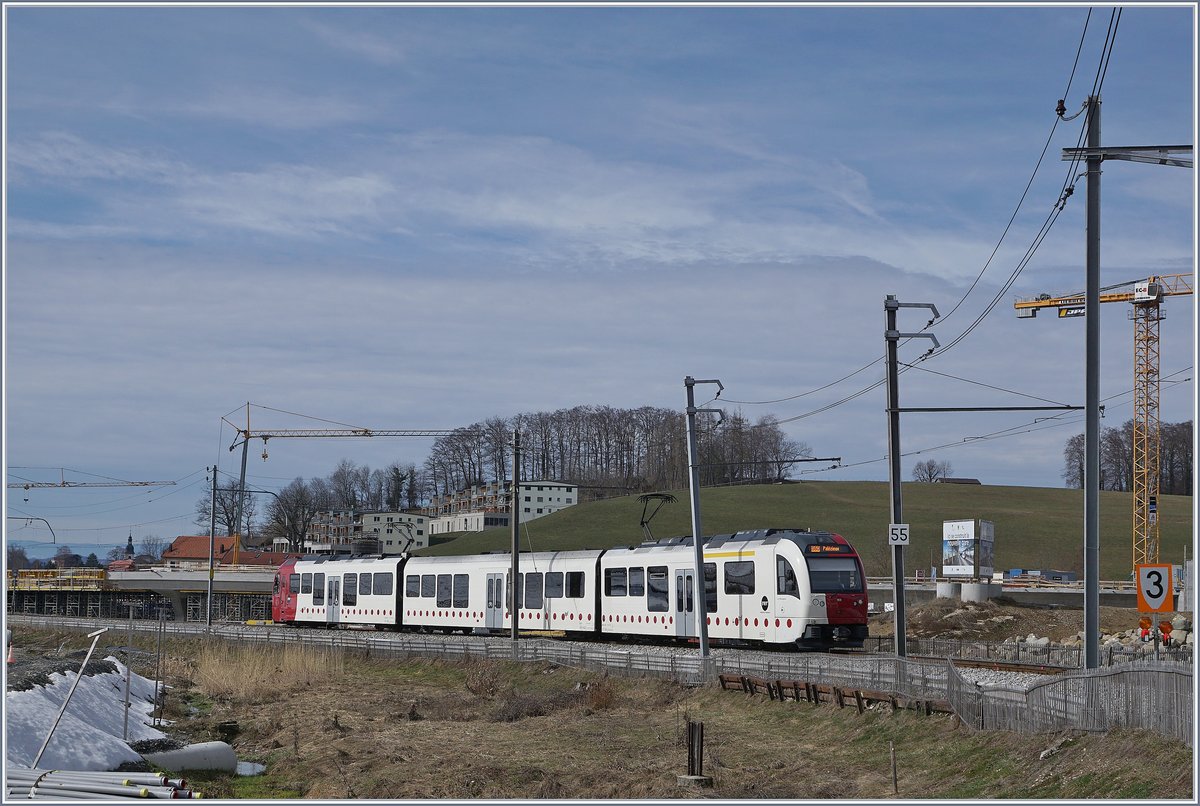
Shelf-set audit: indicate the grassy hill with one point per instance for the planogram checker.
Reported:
(1036, 527)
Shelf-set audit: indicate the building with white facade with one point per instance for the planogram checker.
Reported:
(487, 506)
(345, 531)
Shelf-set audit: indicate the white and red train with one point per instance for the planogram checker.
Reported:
(769, 586)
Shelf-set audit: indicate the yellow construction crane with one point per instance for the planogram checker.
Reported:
(1146, 298)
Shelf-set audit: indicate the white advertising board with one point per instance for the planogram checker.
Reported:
(958, 548)
(968, 549)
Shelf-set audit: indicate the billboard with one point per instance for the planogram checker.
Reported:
(968, 548)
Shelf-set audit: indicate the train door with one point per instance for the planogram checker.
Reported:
(333, 601)
(494, 614)
(787, 589)
(685, 604)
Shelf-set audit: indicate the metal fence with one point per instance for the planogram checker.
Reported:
(1154, 696)
(1070, 657)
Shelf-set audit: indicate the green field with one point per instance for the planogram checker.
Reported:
(1036, 527)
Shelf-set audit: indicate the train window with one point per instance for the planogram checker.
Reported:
(276, 586)
(688, 585)
(428, 586)
(533, 591)
(461, 590)
(350, 590)
(614, 582)
(508, 590)
(554, 585)
(318, 589)
(443, 590)
(637, 581)
(785, 578)
(739, 577)
(710, 587)
(364, 584)
(412, 586)
(658, 596)
(574, 584)
(294, 583)
(381, 584)
(834, 575)
(306, 583)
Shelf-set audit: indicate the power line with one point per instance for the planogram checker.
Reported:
(967, 380)
(1047, 224)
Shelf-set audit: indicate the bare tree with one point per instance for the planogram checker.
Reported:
(226, 513)
(293, 511)
(18, 560)
(152, 546)
(1073, 462)
(1176, 457)
(931, 470)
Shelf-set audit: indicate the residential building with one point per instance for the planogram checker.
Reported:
(487, 506)
(351, 531)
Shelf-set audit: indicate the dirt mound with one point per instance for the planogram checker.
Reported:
(998, 620)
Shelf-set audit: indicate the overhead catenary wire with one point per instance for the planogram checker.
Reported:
(982, 271)
(1061, 420)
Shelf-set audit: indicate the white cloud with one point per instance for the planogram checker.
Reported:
(65, 156)
(362, 44)
(293, 201)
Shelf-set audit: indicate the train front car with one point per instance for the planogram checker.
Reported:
(782, 587)
(820, 577)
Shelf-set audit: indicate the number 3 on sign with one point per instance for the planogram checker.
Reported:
(898, 534)
(1154, 588)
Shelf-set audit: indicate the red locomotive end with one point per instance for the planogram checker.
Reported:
(284, 593)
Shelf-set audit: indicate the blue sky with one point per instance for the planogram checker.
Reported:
(423, 217)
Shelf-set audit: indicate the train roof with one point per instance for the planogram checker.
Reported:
(505, 556)
(762, 537)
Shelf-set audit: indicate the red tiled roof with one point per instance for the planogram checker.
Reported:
(195, 547)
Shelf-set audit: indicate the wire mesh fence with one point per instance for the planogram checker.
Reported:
(1156, 697)
(1148, 695)
(1065, 656)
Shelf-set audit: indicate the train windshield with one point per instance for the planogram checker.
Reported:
(834, 575)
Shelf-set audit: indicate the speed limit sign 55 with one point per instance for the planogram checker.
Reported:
(898, 534)
(1154, 588)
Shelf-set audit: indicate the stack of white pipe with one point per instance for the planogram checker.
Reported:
(23, 784)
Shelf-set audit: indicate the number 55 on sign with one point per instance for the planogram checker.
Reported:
(1154, 588)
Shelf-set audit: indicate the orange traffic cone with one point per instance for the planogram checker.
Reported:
(10, 653)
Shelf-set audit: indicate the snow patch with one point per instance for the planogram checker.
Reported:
(89, 736)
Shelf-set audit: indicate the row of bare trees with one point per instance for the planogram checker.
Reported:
(290, 512)
(1116, 458)
(606, 450)
(602, 450)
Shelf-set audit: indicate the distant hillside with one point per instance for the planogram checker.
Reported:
(1036, 527)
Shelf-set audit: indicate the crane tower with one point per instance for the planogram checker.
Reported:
(1146, 313)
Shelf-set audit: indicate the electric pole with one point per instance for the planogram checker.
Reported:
(694, 485)
(891, 337)
(515, 518)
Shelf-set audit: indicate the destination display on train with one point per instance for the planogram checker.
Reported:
(828, 548)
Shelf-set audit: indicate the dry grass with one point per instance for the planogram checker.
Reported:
(227, 671)
(441, 730)
(350, 727)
